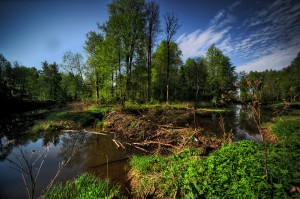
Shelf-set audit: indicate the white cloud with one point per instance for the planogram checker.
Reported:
(197, 42)
(275, 61)
(266, 39)
(274, 42)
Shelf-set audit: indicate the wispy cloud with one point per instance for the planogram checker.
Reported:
(275, 60)
(197, 42)
(268, 38)
(274, 40)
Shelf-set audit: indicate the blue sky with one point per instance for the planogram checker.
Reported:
(255, 34)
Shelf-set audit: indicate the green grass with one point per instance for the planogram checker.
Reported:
(287, 128)
(131, 106)
(85, 186)
(92, 116)
(201, 107)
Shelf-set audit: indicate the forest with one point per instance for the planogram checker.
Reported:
(211, 78)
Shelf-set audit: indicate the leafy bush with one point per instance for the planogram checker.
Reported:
(85, 186)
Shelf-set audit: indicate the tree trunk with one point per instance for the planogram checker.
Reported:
(97, 87)
(197, 91)
(120, 80)
(149, 88)
(168, 71)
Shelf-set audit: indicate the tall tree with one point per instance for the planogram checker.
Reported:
(127, 20)
(221, 76)
(171, 27)
(72, 65)
(152, 30)
(92, 43)
(160, 58)
(193, 75)
(5, 78)
(24, 84)
(52, 79)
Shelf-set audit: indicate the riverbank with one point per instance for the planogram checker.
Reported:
(161, 129)
(173, 156)
(244, 169)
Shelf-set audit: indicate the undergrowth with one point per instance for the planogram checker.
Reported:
(236, 170)
(85, 186)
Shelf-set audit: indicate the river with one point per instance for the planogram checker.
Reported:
(89, 152)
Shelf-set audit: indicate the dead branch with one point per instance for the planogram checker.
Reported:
(70, 131)
(93, 132)
(189, 139)
(138, 147)
(116, 143)
(154, 142)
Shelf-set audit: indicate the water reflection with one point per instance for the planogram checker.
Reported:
(97, 154)
(88, 152)
(240, 121)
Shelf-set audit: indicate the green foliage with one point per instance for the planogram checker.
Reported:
(220, 73)
(274, 86)
(167, 174)
(160, 70)
(235, 170)
(192, 79)
(84, 186)
(72, 82)
(51, 78)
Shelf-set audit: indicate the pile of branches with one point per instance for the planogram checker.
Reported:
(153, 133)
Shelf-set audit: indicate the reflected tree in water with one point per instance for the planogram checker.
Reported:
(29, 164)
(72, 144)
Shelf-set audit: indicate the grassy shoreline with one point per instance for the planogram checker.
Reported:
(242, 169)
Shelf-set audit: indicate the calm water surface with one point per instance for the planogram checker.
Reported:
(91, 152)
